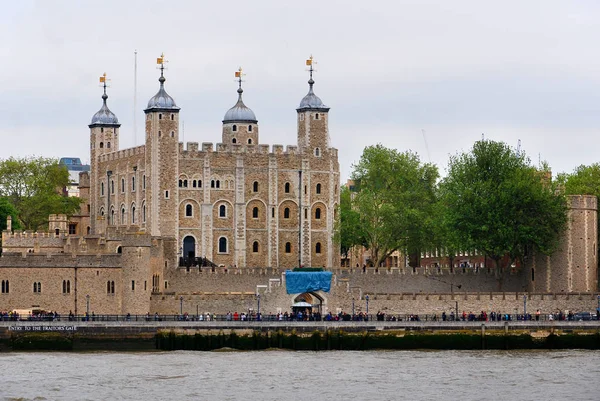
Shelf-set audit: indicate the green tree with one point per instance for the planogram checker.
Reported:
(497, 203)
(7, 209)
(395, 195)
(34, 186)
(348, 233)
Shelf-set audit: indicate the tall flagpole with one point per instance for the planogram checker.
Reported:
(134, 97)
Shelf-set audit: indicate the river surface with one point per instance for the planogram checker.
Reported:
(300, 376)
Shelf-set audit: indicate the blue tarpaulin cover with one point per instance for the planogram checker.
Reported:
(299, 282)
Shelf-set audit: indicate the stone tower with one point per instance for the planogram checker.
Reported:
(240, 124)
(573, 267)
(316, 154)
(162, 146)
(104, 138)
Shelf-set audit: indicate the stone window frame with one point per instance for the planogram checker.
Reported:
(234, 128)
(5, 287)
(287, 187)
(255, 212)
(222, 243)
(255, 247)
(37, 287)
(249, 128)
(189, 210)
(286, 213)
(132, 210)
(318, 188)
(317, 213)
(317, 152)
(222, 211)
(66, 286)
(255, 186)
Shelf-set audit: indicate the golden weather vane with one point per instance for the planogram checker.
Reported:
(311, 62)
(239, 74)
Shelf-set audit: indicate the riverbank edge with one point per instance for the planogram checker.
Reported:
(311, 336)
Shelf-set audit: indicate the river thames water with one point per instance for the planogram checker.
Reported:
(299, 376)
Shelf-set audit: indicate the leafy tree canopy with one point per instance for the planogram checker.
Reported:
(497, 203)
(34, 186)
(392, 206)
(7, 209)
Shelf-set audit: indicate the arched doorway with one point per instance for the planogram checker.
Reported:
(189, 247)
(310, 304)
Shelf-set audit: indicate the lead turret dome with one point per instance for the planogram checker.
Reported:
(311, 101)
(240, 112)
(162, 100)
(104, 116)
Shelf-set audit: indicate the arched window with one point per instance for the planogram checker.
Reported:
(180, 183)
(5, 287)
(286, 213)
(249, 141)
(255, 213)
(318, 188)
(199, 183)
(132, 214)
(102, 189)
(255, 247)
(234, 128)
(160, 116)
(185, 183)
(288, 247)
(122, 184)
(108, 145)
(318, 247)
(218, 184)
(189, 210)
(317, 152)
(172, 134)
(101, 145)
(222, 245)
(233, 140)
(222, 211)
(89, 230)
(133, 184)
(68, 286)
(249, 128)
(212, 183)
(144, 213)
(255, 186)
(112, 186)
(108, 287)
(318, 213)
(112, 217)
(123, 215)
(287, 187)
(317, 116)
(112, 287)
(194, 183)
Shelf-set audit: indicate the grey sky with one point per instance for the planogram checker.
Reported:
(388, 69)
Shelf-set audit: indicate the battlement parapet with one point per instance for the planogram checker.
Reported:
(190, 150)
(589, 202)
(123, 154)
(39, 260)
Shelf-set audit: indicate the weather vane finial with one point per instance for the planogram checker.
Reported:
(239, 74)
(310, 63)
(162, 61)
(104, 84)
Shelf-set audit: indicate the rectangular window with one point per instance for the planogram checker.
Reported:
(144, 181)
(72, 229)
(132, 285)
(273, 212)
(166, 194)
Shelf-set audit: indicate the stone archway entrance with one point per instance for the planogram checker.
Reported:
(189, 247)
(308, 298)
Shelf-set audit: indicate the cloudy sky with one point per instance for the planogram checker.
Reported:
(429, 76)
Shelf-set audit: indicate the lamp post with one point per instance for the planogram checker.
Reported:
(367, 298)
(257, 306)
(181, 305)
(456, 305)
